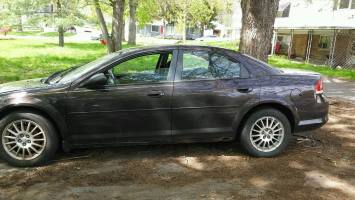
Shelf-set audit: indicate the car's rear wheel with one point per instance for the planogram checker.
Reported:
(27, 139)
(266, 133)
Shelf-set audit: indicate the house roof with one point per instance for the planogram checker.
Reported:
(314, 23)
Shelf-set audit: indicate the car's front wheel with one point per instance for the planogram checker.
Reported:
(27, 139)
(266, 133)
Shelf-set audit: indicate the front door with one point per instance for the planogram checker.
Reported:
(134, 107)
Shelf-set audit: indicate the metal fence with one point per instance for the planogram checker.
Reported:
(343, 50)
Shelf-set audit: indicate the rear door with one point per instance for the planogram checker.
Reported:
(210, 89)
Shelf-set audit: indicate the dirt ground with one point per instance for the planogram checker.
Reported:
(321, 166)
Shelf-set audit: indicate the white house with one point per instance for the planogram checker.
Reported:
(321, 31)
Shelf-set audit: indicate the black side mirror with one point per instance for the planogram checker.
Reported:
(96, 81)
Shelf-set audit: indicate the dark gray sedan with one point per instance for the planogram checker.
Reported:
(166, 94)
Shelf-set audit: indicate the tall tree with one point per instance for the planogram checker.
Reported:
(13, 11)
(60, 26)
(202, 12)
(103, 26)
(117, 23)
(66, 13)
(133, 4)
(172, 11)
(258, 17)
(146, 11)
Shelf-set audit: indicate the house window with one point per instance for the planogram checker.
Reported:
(324, 42)
(346, 4)
(155, 28)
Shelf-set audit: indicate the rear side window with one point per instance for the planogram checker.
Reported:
(224, 68)
(199, 65)
(196, 66)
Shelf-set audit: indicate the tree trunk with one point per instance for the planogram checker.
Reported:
(202, 29)
(61, 36)
(20, 24)
(164, 29)
(124, 31)
(117, 23)
(257, 27)
(132, 22)
(103, 26)
(60, 27)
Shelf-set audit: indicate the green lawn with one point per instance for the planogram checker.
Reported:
(282, 62)
(33, 58)
(25, 58)
(39, 33)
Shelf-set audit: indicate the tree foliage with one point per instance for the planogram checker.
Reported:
(146, 11)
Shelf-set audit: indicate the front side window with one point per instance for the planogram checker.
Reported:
(199, 65)
(143, 69)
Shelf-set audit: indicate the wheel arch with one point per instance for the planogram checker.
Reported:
(274, 105)
(38, 110)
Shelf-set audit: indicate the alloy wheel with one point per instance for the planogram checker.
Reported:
(23, 139)
(267, 133)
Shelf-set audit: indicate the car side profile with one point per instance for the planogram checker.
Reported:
(155, 95)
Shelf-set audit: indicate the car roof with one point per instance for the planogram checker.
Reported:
(171, 47)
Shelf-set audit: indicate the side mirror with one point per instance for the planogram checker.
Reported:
(96, 81)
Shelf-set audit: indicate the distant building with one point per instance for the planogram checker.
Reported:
(228, 25)
(320, 31)
(158, 29)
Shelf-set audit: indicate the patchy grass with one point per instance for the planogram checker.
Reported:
(24, 33)
(39, 33)
(24, 58)
(223, 44)
(282, 62)
(55, 34)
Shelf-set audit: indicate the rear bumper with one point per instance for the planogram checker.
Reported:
(315, 117)
(311, 124)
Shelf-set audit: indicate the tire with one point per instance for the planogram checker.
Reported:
(255, 136)
(35, 142)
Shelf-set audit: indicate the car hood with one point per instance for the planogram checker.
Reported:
(25, 85)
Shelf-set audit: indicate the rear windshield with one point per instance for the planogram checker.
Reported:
(264, 65)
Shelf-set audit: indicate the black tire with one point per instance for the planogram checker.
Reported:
(246, 142)
(50, 147)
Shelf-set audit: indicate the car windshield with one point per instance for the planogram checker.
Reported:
(73, 73)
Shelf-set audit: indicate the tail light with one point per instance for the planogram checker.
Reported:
(318, 87)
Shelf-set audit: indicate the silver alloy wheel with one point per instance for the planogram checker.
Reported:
(267, 133)
(24, 139)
